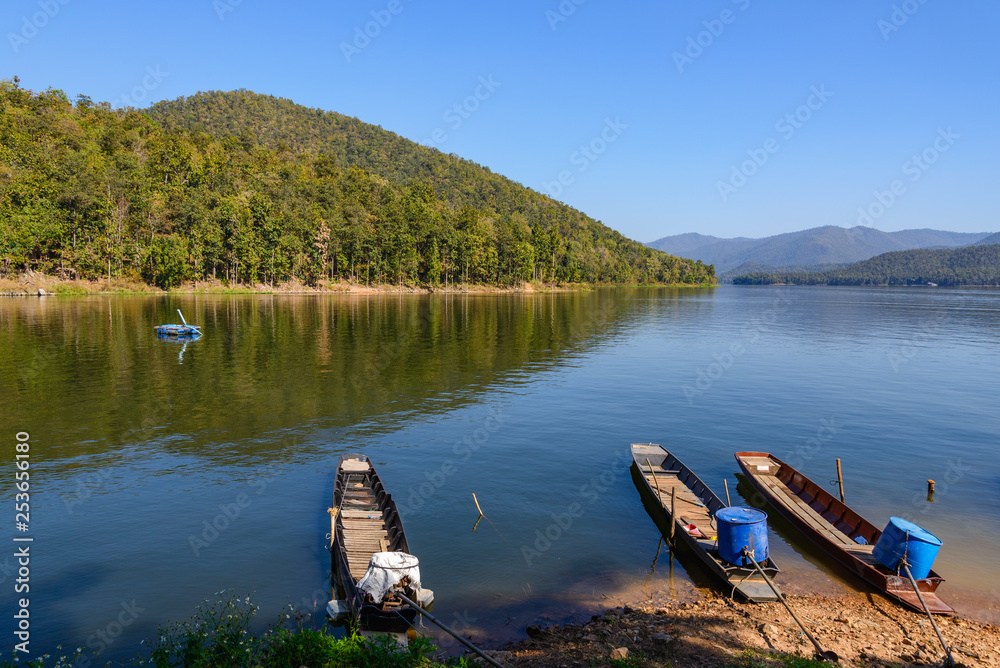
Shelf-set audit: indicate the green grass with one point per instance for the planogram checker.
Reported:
(636, 660)
(218, 635)
(751, 659)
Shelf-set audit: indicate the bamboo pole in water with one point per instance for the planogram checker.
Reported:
(673, 514)
(827, 656)
(457, 637)
(920, 597)
(654, 480)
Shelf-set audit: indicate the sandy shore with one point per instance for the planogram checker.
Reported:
(716, 631)
(36, 284)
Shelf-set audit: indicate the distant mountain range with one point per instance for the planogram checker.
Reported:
(972, 265)
(828, 247)
(989, 241)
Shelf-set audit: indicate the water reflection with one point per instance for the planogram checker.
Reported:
(141, 443)
(277, 362)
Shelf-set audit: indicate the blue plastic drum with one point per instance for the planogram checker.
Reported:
(742, 527)
(903, 538)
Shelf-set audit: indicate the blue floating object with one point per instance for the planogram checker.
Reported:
(902, 538)
(742, 527)
(179, 331)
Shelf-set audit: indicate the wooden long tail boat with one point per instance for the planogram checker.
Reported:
(835, 528)
(366, 524)
(695, 504)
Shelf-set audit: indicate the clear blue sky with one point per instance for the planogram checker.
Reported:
(561, 75)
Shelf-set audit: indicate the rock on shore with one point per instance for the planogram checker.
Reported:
(719, 632)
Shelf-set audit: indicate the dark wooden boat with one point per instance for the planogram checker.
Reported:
(835, 528)
(694, 504)
(365, 521)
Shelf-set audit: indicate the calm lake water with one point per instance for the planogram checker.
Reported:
(138, 445)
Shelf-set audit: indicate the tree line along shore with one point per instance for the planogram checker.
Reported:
(207, 188)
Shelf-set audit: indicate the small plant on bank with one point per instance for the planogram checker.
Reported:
(219, 636)
(748, 658)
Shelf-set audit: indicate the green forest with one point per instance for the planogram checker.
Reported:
(251, 189)
(971, 265)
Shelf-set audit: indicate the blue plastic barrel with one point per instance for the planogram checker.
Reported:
(904, 538)
(742, 527)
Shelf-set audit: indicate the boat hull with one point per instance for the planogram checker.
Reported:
(670, 472)
(831, 525)
(365, 521)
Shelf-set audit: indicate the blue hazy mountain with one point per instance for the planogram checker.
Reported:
(829, 245)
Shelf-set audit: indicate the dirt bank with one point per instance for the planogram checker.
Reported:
(35, 284)
(863, 631)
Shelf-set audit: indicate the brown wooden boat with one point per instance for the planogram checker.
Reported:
(838, 530)
(696, 504)
(365, 521)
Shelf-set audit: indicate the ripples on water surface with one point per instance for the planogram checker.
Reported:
(533, 399)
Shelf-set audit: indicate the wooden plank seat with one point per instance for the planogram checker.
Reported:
(689, 507)
(806, 511)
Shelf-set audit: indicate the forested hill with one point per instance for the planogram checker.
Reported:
(281, 125)
(972, 265)
(255, 189)
(992, 239)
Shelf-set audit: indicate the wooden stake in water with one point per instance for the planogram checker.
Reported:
(726, 483)
(840, 481)
(477, 505)
(930, 491)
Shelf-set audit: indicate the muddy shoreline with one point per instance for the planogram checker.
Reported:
(864, 630)
(35, 284)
